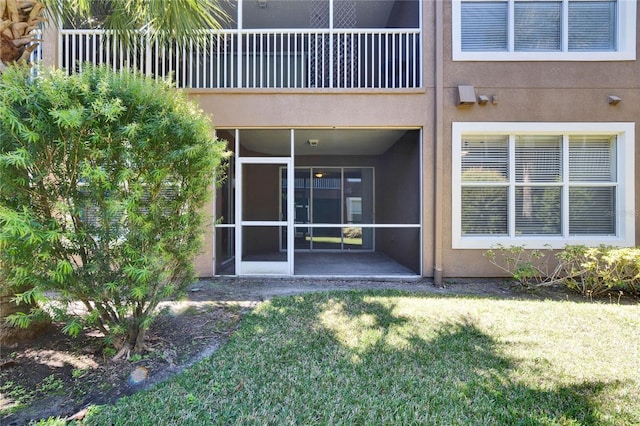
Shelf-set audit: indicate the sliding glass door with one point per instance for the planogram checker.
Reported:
(331, 204)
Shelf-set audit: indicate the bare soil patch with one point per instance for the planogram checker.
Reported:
(59, 376)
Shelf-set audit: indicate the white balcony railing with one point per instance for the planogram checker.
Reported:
(380, 59)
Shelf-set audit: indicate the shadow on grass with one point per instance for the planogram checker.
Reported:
(361, 358)
(464, 378)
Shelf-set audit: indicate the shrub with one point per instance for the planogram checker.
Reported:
(103, 176)
(528, 267)
(592, 271)
(597, 270)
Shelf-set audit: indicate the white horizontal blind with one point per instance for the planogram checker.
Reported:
(541, 197)
(484, 26)
(537, 26)
(592, 211)
(485, 210)
(592, 159)
(592, 175)
(485, 168)
(592, 26)
(537, 203)
(485, 159)
(538, 159)
(538, 210)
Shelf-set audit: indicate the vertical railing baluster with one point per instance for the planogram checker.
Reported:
(367, 67)
(266, 61)
(359, 60)
(392, 60)
(163, 60)
(72, 68)
(170, 59)
(183, 68)
(351, 61)
(211, 38)
(281, 60)
(254, 60)
(94, 51)
(417, 62)
(198, 52)
(386, 61)
(218, 62)
(288, 60)
(379, 59)
(189, 60)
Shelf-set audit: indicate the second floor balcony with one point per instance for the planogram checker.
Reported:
(346, 44)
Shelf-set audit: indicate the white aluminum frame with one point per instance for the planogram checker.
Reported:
(311, 225)
(625, 39)
(287, 268)
(244, 267)
(625, 196)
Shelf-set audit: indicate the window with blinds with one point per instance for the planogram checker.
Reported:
(538, 185)
(538, 26)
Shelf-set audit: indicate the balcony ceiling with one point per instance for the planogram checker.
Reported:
(296, 13)
(330, 141)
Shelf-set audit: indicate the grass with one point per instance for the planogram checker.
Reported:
(396, 358)
(336, 240)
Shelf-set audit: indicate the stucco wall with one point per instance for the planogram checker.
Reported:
(530, 92)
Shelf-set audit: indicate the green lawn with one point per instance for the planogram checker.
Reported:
(396, 358)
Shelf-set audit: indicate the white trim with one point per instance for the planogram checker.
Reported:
(244, 267)
(625, 42)
(625, 212)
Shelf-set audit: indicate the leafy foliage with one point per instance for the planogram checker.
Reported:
(592, 271)
(103, 176)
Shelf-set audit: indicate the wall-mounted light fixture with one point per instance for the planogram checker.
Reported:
(613, 100)
(313, 142)
(483, 99)
(319, 175)
(262, 3)
(466, 96)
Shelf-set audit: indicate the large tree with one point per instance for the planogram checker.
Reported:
(162, 19)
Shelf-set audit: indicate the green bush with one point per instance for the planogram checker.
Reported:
(103, 176)
(592, 271)
(597, 270)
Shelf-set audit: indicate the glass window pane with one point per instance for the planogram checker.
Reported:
(326, 238)
(358, 195)
(484, 210)
(538, 159)
(326, 203)
(592, 159)
(592, 25)
(485, 159)
(538, 210)
(537, 26)
(592, 211)
(302, 240)
(484, 26)
(356, 238)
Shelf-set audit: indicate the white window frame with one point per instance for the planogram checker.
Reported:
(625, 199)
(625, 39)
